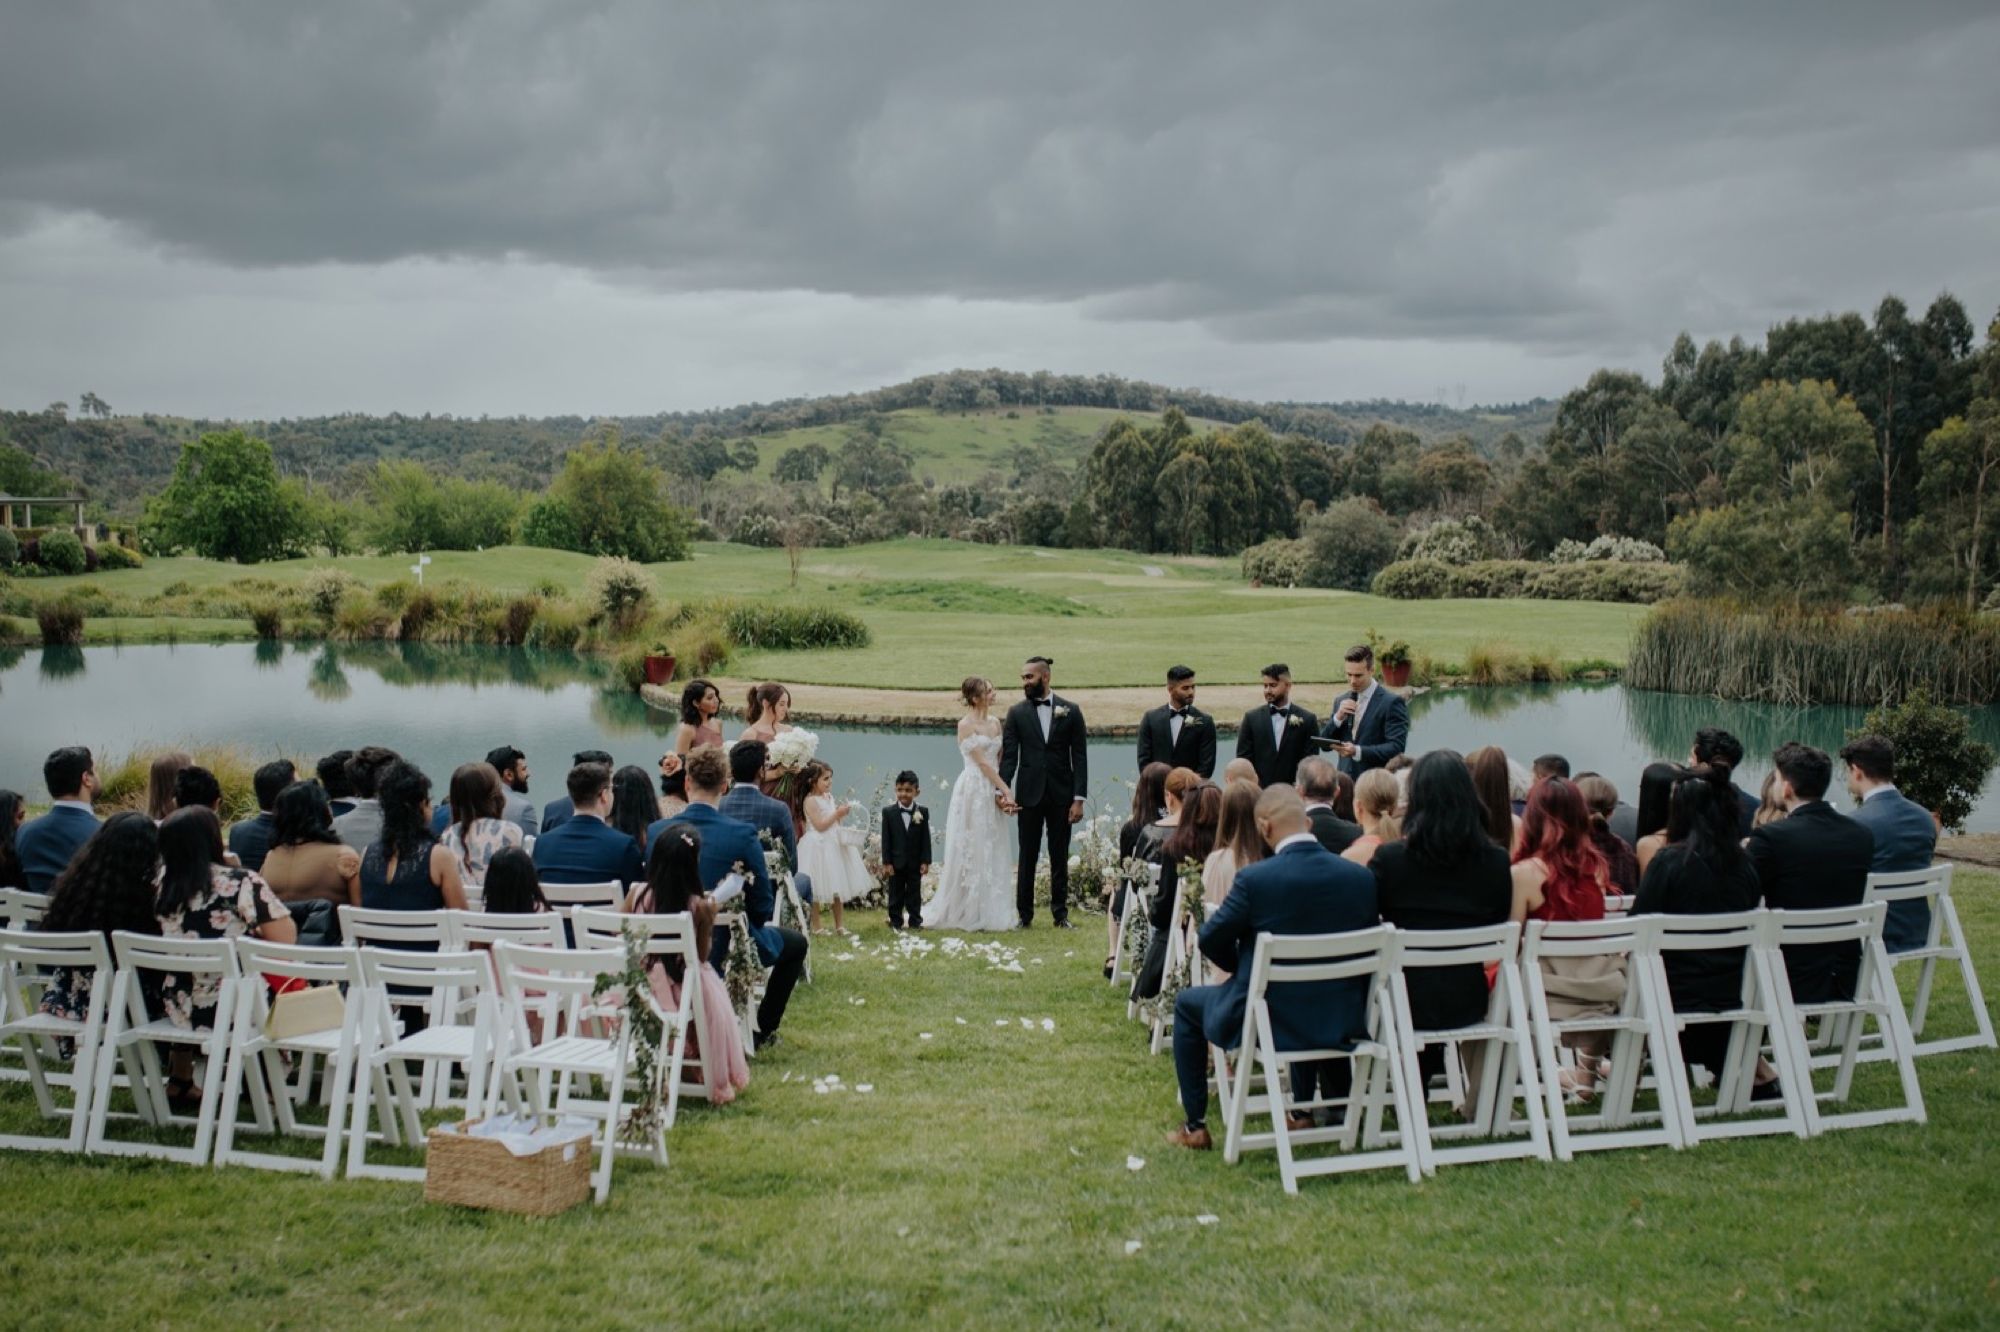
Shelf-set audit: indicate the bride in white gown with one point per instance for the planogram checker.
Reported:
(976, 885)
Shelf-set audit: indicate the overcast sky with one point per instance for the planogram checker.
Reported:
(269, 208)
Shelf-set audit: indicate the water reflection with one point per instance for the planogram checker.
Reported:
(268, 653)
(327, 682)
(1665, 723)
(62, 663)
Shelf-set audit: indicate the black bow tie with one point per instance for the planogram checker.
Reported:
(1178, 712)
(1280, 709)
(1045, 702)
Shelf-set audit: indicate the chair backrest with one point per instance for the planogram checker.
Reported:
(536, 929)
(662, 935)
(1618, 904)
(1724, 929)
(182, 956)
(315, 964)
(1910, 885)
(411, 929)
(21, 909)
(562, 979)
(1294, 959)
(1587, 938)
(25, 954)
(406, 970)
(1824, 925)
(609, 895)
(1478, 944)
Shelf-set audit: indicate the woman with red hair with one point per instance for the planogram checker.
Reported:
(1559, 874)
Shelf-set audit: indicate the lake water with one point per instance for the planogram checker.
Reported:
(441, 706)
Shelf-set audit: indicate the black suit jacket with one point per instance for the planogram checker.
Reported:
(1815, 857)
(1383, 731)
(905, 849)
(1052, 771)
(1331, 831)
(1276, 762)
(1197, 743)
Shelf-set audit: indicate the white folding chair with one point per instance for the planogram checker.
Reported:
(1138, 897)
(562, 1053)
(1751, 1021)
(1280, 961)
(1618, 904)
(1182, 951)
(480, 930)
(606, 896)
(27, 958)
(664, 937)
(1506, 1051)
(1946, 943)
(791, 905)
(1874, 997)
(21, 909)
(423, 931)
(131, 1038)
(257, 1059)
(746, 1014)
(1636, 1027)
(380, 1077)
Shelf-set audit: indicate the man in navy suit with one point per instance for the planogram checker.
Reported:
(1372, 724)
(250, 839)
(1814, 857)
(1905, 833)
(557, 811)
(584, 848)
(47, 844)
(1301, 889)
(747, 804)
(725, 844)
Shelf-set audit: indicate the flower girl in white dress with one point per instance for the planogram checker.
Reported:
(830, 851)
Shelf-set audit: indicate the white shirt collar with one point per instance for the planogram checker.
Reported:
(1296, 839)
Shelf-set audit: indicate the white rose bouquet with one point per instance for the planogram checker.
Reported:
(791, 750)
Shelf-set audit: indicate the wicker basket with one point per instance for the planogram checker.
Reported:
(481, 1172)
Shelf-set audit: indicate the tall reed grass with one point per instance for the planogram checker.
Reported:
(1800, 657)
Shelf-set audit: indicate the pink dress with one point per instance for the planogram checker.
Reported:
(727, 1071)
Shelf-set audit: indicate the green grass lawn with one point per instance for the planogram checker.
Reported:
(1108, 617)
(984, 1183)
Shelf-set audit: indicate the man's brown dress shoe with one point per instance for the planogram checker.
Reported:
(1197, 1139)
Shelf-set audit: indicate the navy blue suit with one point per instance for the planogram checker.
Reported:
(251, 840)
(1304, 889)
(556, 813)
(746, 804)
(726, 842)
(586, 849)
(1381, 735)
(1905, 839)
(47, 844)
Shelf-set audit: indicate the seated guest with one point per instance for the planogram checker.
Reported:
(250, 839)
(582, 847)
(307, 862)
(202, 896)
(1377, 797)
(1813, 857)
(1138, 838)
(1720, 751)
(726, 843)
(1445, 874)
(562, 807)
(747, 803)
(1493, 780)
(1240, 770)
(160, 779)
(1905, 833)
(1318, 783)
(47, 844)
(1656, 790)
(1237, 842)
(405, 869)
(512, 765)
(1702, 871)
(1546, 765)
(1147, 845)
(195, 786)
(361, 826)
(332, 773)
(1343, 796)
(1301, 889)
(1600, 797)
(13, 813)
(674, 885)
(1770, 806)
(512, 886)
(1559, 874)
(477, 832)
(108, 886)
(634, 808)
(1191, 841)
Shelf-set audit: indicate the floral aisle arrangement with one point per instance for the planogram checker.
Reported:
(783, 887)
(1142, 880)
(634, 999)
(743, 971)
(1093, 866)
(1182, 974)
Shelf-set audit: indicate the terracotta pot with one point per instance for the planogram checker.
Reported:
(659, 670)
(1396, 675)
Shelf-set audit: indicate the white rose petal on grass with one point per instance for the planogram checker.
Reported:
(1027, 1024)
(1132, 1247)
(959, 1020)
(902, 1232)
(1206, 1219)
(923, 1035)
(1135, 1163)
(864, 1087)
(1048, 1024)
(999, 1022)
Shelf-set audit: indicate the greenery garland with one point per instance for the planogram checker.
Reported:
(1181, 975)
(744, 970)
(644, 1116)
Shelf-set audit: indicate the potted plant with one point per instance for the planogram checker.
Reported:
(659, 664)
(1395, 661)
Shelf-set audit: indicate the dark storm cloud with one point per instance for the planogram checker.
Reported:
(1544, 175)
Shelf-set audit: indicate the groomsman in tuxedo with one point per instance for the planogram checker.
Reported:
(1371, 725)
(1277, 737)
(1043, 757)
(1179, 734)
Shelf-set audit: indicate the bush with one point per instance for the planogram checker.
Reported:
(325, 589)
(180, 587)
(1279, 563)
(61, 622)
(1938, 763)
(392, 597)
(1348, 543)
(1452, 541)
(10, 549)
(359, 618)
(548, 589)
(630, 667)
(119, 557)
(1624, 550)
(419, 612)
(122, 780)
(559, 624)
(518, 620)
(620, 589)
(268, 620)
(768, 626)
(1493, 578)
(1414, 580)
(62, 552)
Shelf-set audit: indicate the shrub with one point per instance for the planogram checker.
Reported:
(1493, 578)
(559, 624)
(1279, 563)
(1414, 580)
(325, 589)
(768, 626)
(548, 589)
(419, 611)
(701, 644)
(61, 622)
(13, 601)
(1348, 543)
(10, 549)
(119, 557)
(122, 780)
(268, 620)
(62, 552)
(1606, 580)
(180, 587)
(1488, 664)
(630, 667)
(1452, 541)
(1938, 763)
(518, 620)
(1624, 550)
(359, 617)
(620, 589)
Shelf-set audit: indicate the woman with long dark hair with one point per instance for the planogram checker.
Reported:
(308, 862)
(1492, 782)
(1559, 874)
(1194, 811)
(633, 807)
(673, 885)
(202, 896)
(161, 778)
(1649, 828)
(13, 813)
(765, 712)
(1445, 874)
(405, 869)
(700, 704)
(107, 887)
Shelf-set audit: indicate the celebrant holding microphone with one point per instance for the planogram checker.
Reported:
(1370, 724)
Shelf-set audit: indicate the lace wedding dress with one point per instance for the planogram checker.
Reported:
(976, 885)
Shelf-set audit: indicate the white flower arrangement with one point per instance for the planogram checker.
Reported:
(917, 819)
(1293, 719)
(791, 750)
(1062, 710)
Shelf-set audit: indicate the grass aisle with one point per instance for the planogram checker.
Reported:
(984, 1182)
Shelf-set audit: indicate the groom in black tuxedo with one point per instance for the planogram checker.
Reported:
(1180, 734)
(1042, 756)
(1277, 737)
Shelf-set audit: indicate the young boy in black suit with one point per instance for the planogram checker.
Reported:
(906, 852)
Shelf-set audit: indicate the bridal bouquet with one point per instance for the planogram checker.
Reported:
(792, 750)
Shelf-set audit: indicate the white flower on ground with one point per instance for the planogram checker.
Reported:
(1206, 1219)
(923, 1035)
(1135, 1163)
(1132, 1247)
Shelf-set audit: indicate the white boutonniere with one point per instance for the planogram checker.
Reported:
(917, 818)
(1193, 719)
(1294, 719)
(1062, 710)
